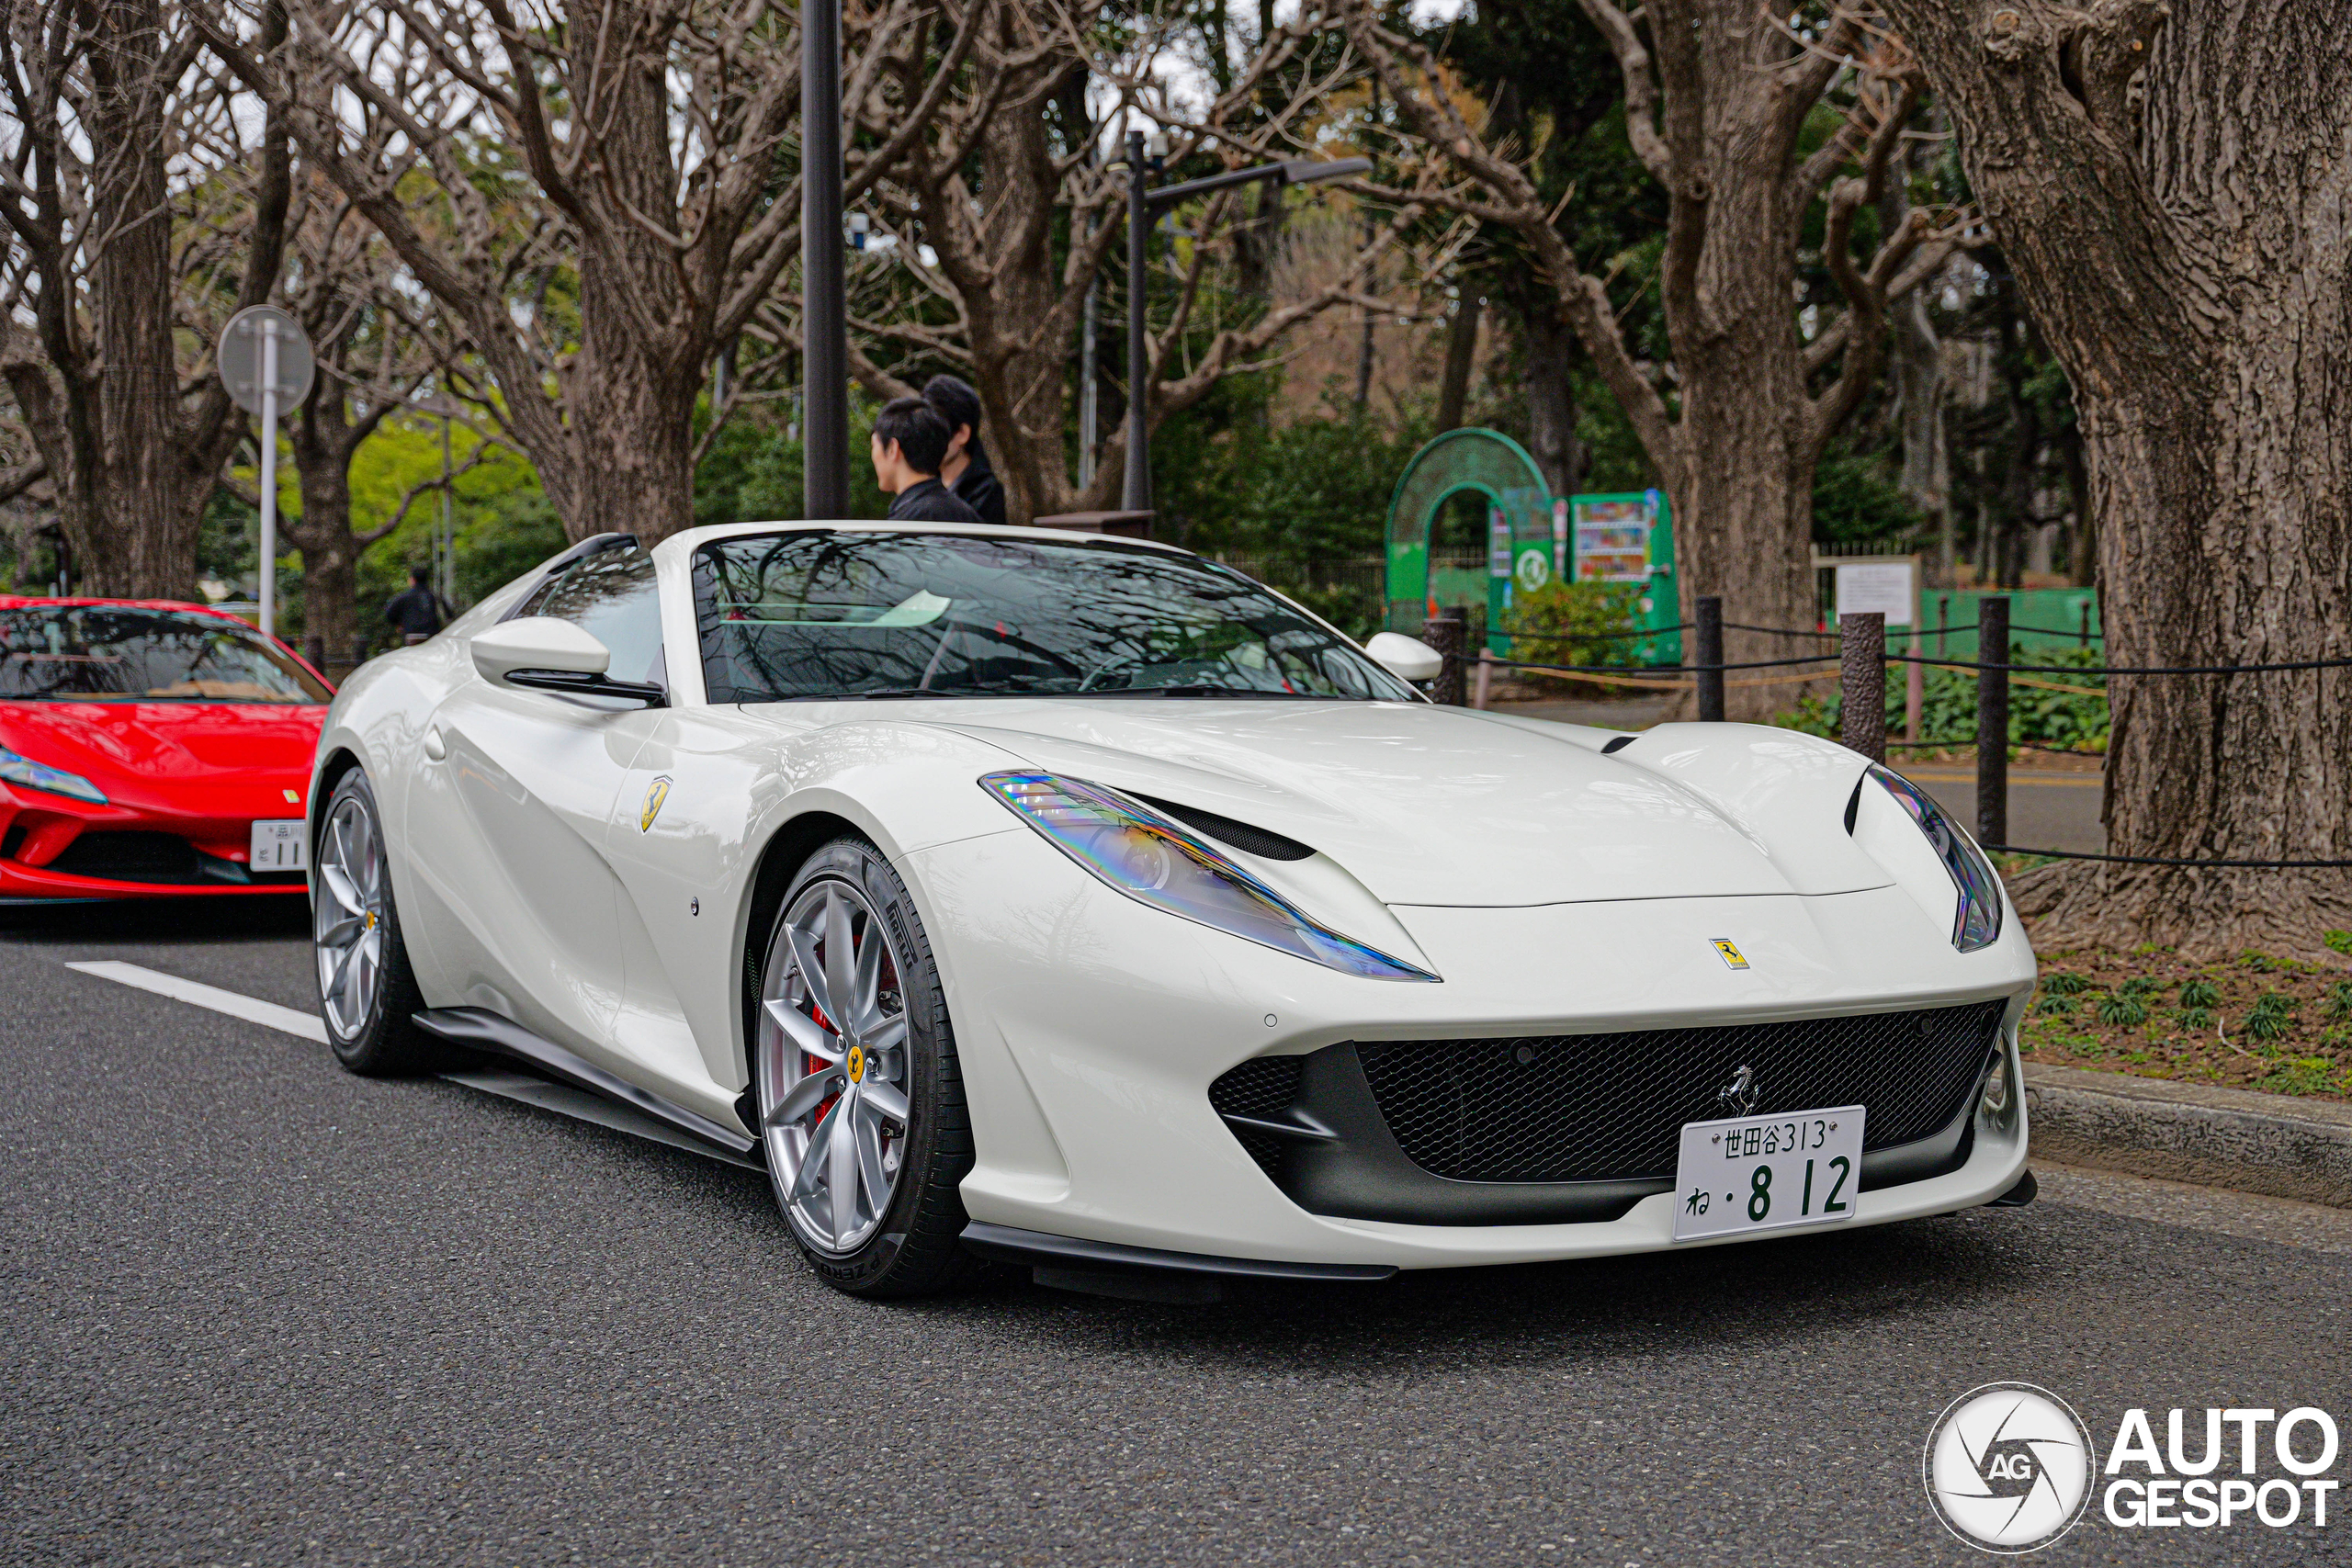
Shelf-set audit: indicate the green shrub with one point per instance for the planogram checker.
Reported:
(2057, 1007)
(2138, 985)
(2339, 942)
(2201, 994)
(2122, 1011)
(2272, 1014)
(2200, 1018)
(2340, 999)
(1581, 610)
(2062, 984)
(1947, 703)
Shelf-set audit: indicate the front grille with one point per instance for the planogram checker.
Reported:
(1611, 1107)
(1261, 1089)
(131, 857)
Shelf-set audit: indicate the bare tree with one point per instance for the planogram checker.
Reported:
(1717, 97)
(136, 221)
(1005, 214)
(598, 196)
(2169, 186)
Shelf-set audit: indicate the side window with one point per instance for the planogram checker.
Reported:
(611, 596)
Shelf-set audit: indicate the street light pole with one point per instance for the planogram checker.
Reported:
(823, 310)
(1136, 496)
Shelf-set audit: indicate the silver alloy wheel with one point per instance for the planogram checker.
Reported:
(833, 1064)
(347, 910)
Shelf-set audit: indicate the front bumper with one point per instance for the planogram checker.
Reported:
(56, 847)
(1091, 1029)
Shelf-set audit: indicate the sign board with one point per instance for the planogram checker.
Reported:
(1889, 588)
(240, 359)
(1612, 539)
(1497, 542)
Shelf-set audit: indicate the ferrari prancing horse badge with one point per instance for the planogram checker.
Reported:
(655, 794)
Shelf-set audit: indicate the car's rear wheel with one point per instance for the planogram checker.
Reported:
(368, 993)
(861, 1101)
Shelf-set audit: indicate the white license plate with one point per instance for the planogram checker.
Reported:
(281, 846)
(1763, 1173)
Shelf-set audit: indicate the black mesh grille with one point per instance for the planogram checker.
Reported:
(129, 857)
(1261, 1087)
(1600, 1107)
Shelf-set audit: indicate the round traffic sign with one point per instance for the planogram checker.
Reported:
(241, 356)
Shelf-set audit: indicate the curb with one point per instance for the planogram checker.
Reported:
(2180, 1132)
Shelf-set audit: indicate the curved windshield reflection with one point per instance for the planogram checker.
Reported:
(821, 612)
(84, 653)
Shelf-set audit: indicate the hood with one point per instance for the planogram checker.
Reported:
(143, 751)
(1440, 806)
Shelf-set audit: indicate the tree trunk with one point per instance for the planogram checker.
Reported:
(323, 443)
(1550, 396)
(1461, 359)
(2168, 187)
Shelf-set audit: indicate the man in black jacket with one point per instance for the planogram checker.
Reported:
(909, 439)
(417, 613)
(965, 468)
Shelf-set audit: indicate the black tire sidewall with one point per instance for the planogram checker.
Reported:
(916, 1250)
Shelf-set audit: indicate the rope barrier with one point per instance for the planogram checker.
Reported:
(2199, 864)
(1593, 637)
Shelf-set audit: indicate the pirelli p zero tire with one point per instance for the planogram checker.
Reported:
(366, 990)
(861, 1101)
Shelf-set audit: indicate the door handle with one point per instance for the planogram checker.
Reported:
(435, 747)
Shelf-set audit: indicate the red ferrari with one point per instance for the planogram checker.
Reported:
(150, 749)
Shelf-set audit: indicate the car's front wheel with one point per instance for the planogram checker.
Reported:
(368, 993)
(861, 1102)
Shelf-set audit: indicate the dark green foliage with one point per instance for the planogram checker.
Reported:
(2199, 994)
(2200, 1018)
(2340, 999)
(2122, 1011)
(1580, 610)
(2037, 717)
(2056, 1006)
(1856, 501)
(2273, 1014)
(2065, 984)
(2138, 985)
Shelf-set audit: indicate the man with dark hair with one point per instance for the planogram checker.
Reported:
(965, 468)
(909, 439)
(417, 613)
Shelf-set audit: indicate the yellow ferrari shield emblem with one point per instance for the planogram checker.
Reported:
(1730, 951)
(658, 792)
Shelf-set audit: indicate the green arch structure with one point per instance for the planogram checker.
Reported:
(1518, 501)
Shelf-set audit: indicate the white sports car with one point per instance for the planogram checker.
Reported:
(1024, 895)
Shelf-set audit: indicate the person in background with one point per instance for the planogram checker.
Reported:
(965, 468)
(909, 439)
(418, 613)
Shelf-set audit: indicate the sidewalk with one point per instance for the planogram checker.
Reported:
(2220, 1137)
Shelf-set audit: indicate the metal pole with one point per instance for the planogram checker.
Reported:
(1861, 683)
(824, 310)
(1448, 632)
(1992, 721)
(268, 565)
(447, 578)
(1915, 695)
(1136, 495)
(1709, 614)
(1090, 415)
(1486, 678)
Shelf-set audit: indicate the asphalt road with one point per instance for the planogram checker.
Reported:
(260, 1312)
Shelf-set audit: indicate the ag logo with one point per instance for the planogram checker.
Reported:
(1533, 570)
(2009, 1466)
(655, 794)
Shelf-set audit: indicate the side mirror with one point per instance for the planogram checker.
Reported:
(1406, 658)
(551, 655)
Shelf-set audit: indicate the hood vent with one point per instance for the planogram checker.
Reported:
(1249, 839)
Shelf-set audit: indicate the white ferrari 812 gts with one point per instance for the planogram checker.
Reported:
(1030, 896)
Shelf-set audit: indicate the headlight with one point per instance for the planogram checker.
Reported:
(1155, 862)
(23, 771)
(1978, 923)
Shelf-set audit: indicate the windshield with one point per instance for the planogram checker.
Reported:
(117, 653)
(826, 614)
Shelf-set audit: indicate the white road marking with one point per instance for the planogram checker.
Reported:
(251, 1009)
(561, 1098)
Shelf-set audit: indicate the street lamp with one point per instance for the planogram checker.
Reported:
(824, 311)
(1142, 206)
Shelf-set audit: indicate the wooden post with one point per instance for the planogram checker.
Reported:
(1861, 683)
(1486, 675)
(1915, 695)
(1993, 721)
(1446, 632)
(1709, 645)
